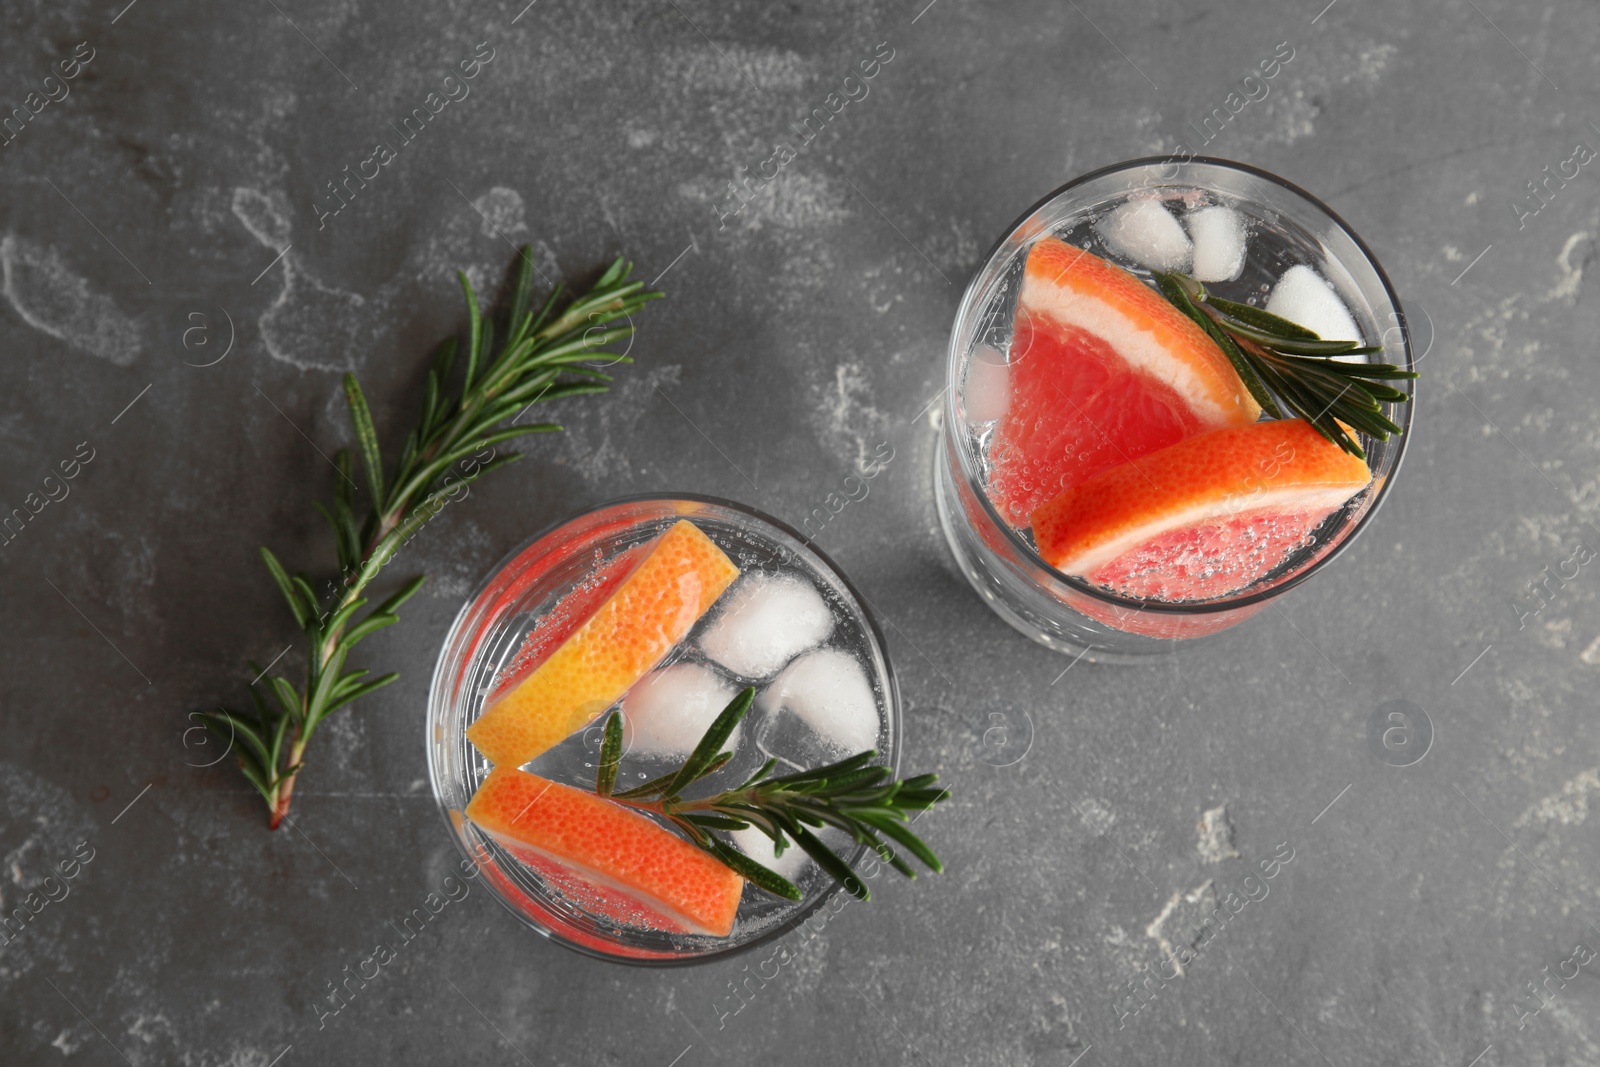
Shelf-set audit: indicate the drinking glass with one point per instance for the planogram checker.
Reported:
(1287, 226)
(482, 649)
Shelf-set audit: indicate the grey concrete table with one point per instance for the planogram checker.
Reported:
(177, 194)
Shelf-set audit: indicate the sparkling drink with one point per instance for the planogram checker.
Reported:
(789, 625)
(1251, 238)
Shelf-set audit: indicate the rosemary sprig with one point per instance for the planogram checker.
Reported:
(1281, 360)
(453, 445)
(852, 795)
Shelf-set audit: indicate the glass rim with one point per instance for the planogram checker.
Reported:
(475, 600)
(953, 419)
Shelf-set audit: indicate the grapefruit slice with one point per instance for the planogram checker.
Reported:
(624, 864)
(1103, 370)
(653, 609)
(558, 624)
(1203, 518)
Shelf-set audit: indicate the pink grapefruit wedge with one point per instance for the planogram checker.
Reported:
(1202, 518)
(655, 606)
(1102, 370)
(627, 865)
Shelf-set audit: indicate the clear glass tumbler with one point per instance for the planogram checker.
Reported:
(482, 651)
(1287, 227)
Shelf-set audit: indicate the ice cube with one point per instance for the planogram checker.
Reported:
(758, 846)
(988, 390)
(1301, 296)
(668, 712)
(1145, 232)
(1218, 234)
(829, 692)
(767, 621)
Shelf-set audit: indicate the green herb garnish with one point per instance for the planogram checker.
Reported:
(864, 801)
(453, 445)
(1280, 360)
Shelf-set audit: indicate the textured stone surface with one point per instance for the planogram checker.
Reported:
(799, 335)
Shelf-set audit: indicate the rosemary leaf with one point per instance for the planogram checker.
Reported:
(832, 865)
(751, 871)
(710, 745)
(610, 756)
(474, 330)
(281, 578)
(367, 436)
(765, 769)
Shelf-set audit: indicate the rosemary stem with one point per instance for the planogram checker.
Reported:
(322, 656)
(285, 789)
(403, 499)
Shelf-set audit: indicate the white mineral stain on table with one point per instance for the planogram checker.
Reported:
(52, 297)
